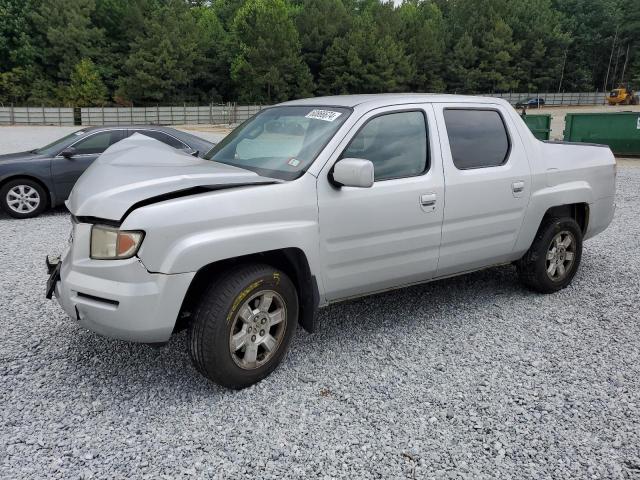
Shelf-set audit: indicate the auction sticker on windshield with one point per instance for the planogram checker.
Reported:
(326, 115)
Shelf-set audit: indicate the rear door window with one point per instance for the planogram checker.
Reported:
(478, 138)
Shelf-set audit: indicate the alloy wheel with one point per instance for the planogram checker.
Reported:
(561, 255)
(23, 199)
(258, 329)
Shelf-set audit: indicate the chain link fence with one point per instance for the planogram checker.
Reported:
(214, 114)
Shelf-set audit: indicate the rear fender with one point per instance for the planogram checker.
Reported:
(542, 200)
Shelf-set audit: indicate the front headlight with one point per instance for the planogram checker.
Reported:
(109, 243)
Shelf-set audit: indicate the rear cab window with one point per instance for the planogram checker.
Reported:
(478, 137)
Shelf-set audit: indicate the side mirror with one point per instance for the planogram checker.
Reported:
(191, 151)
(68, 152)
(353, 172)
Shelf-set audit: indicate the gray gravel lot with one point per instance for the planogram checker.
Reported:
(471, 377)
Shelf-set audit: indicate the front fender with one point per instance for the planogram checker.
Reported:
(39, 174)
(190, 253)
(183, 235)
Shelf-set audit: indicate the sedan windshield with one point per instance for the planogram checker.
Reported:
(59, 144)
(280, 142)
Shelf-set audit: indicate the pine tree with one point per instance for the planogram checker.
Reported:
(20, 73)
(318, 23)
(498, 56)
(268, 66)
(462, 70)
(212, 81)
(65, 35)
(86, 88)
(364, 62)
(423, 34)
(164, 57)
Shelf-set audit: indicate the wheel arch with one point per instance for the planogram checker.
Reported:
(578, 211)
(291, 261)
(51, 199)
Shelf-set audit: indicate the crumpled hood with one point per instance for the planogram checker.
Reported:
(140, 168)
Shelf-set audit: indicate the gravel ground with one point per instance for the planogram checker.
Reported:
(471, 377)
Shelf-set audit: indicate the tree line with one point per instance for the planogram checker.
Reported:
(147, 52)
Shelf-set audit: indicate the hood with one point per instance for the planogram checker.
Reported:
(139, 170)
(20, 156)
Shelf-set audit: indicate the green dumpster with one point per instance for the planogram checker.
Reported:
(621, 130)
(540, 125)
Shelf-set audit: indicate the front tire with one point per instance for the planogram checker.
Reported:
(243, 325)
(23, 198)
(554, 257)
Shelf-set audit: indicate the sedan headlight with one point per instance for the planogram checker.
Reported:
(109, 243)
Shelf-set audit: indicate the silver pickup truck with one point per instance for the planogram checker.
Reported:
(312, 202)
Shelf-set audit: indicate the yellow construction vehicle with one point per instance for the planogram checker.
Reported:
(623, 95)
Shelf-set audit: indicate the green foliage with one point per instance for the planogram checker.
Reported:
(164, 58)
(423, 34)
(364, 61)
(318, 23)
(64, 35)
(97, 52)
(268, 66)
(86, 87)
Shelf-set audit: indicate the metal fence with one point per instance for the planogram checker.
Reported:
(228, 113)
(556, 99)
(36, 116)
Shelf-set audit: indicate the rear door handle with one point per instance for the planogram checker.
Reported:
(517, 187)
(428, 201)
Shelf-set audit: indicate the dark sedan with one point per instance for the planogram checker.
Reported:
(533, 102)
(32, 181)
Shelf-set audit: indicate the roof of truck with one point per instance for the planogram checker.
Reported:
(383, 99)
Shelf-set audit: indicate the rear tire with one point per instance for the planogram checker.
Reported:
(23, 198)
(554, 257)
(243, 325)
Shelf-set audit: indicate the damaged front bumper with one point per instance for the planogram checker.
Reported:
(116, 298)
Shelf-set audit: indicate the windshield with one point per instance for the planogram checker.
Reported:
(59, 144)
(280, 142)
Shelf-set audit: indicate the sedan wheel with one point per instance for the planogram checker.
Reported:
(23, 199)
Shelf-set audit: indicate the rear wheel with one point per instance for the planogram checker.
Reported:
(243, 325)
(23, 198)
(554, 257)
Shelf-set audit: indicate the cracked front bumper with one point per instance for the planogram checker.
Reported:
(118, 298)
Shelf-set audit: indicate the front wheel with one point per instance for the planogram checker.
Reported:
(554, 257)
(243, 325)
(23, 198)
